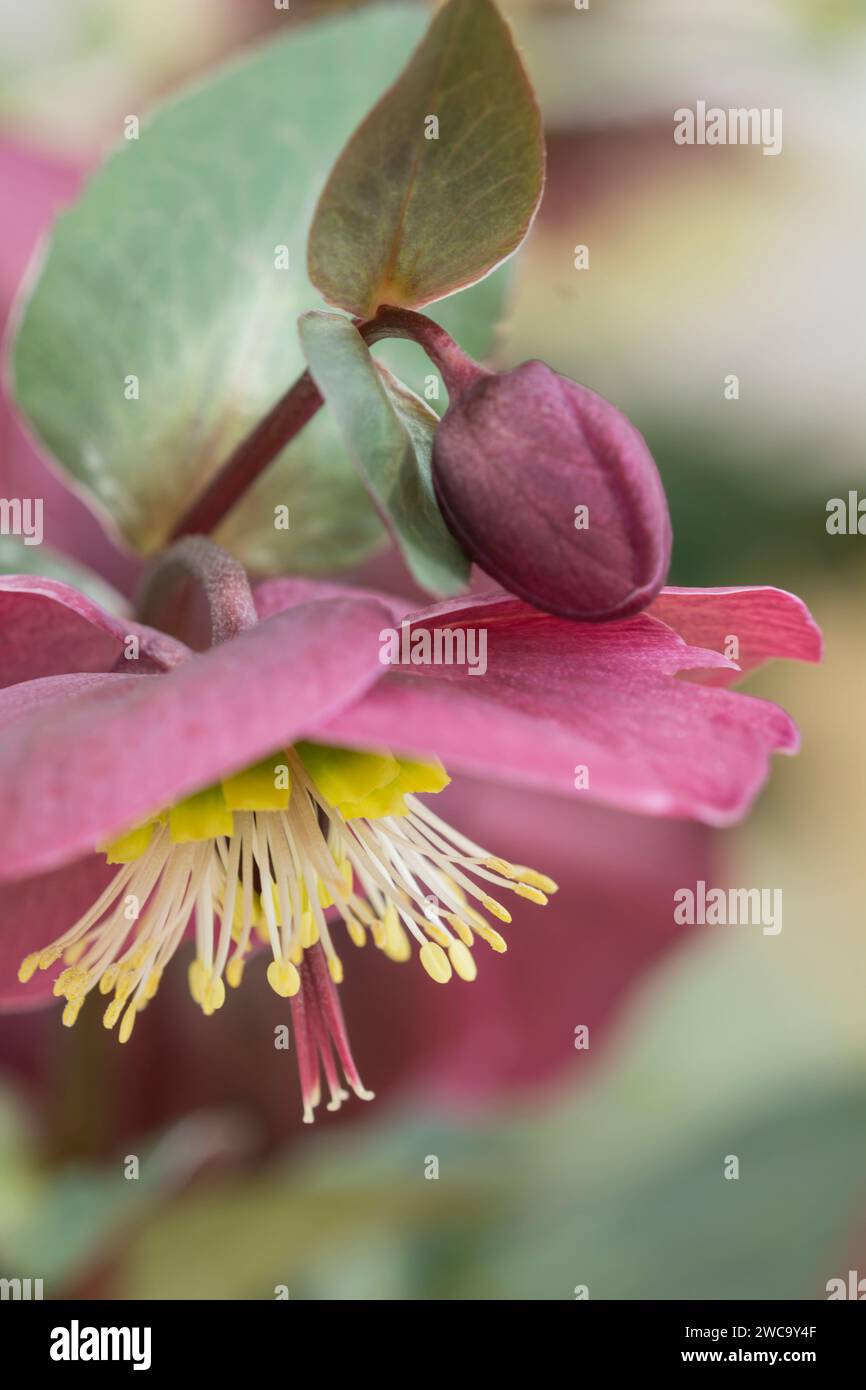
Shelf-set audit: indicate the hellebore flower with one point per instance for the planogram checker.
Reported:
(268, 785)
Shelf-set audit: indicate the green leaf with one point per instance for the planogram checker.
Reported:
(389, 434)
(414, 211)
(165, 271)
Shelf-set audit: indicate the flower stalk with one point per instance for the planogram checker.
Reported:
(300, 403)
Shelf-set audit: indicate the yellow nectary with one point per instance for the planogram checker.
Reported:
(357, 784)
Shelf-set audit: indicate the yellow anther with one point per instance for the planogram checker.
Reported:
(296, 953)
(378, 930)
(108, 979)
(501, 866)
(309, 930)
(456, 923)
(492, 937)
(397, 945)
(71, 1012)
(534, 895)
(127, 1024)
(463, 960)
(112, 1013)
(283, 978)
(27, 968)
(48, 957)
(235, 971)
(462, 929)
(71, 982)
(435, 962)
(197, 978)
(152, 984)
(356, 932)
(214, 995)
(438, 933)
(496, 909)
(64, 980)
(335, 965)
(535, 879)
(125, 983)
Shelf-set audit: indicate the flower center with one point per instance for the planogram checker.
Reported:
(267, 855)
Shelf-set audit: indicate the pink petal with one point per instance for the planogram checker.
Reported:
(766, 622)
(50, 629)
(276, 595)
(33, 912)
(559, 695)
(37, 187)
(82, 757)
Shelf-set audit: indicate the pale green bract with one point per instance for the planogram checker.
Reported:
(389, 433)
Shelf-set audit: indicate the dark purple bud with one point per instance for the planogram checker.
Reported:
(554, 493)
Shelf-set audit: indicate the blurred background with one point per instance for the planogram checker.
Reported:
(558, 1167)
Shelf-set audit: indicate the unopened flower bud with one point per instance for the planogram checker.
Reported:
(554, 493)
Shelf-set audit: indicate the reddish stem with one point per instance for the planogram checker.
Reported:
(251, 458)
(300, 403)
(458, 370)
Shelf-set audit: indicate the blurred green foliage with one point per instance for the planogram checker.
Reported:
(732, 526)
